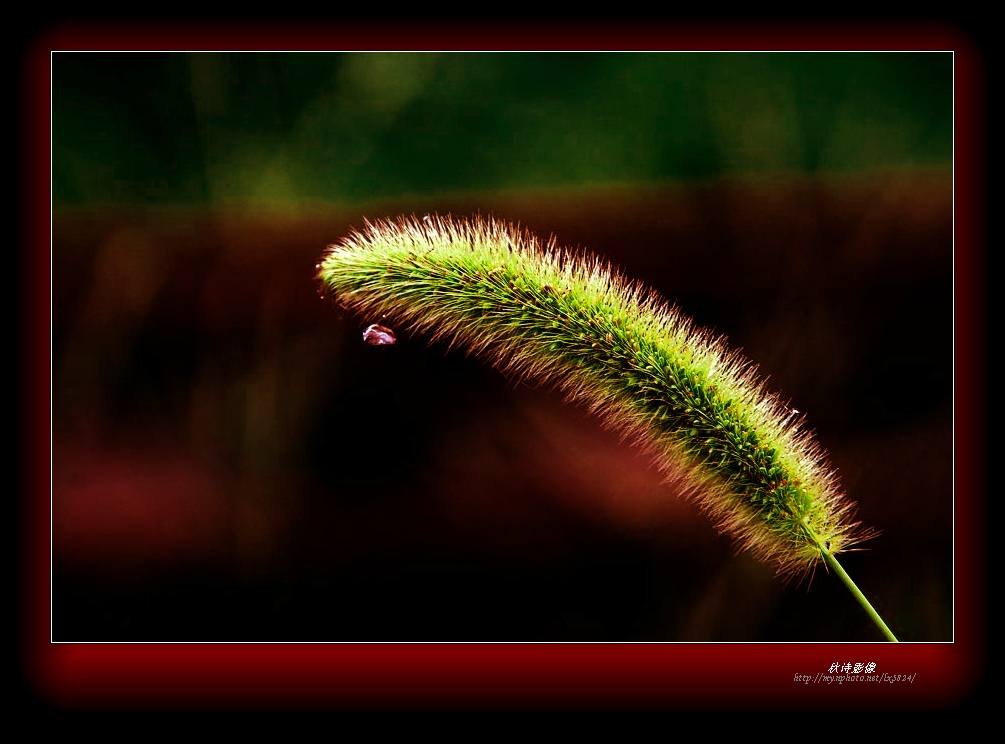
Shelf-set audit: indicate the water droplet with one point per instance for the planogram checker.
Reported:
(378, 335)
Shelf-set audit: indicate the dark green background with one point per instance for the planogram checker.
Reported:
(282, 128)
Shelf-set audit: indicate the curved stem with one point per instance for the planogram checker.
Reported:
(853, 588)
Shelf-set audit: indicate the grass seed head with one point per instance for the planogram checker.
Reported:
(570, 321)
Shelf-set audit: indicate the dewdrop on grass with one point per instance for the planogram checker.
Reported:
(378, 335)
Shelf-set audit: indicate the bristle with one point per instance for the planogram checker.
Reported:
(570, 321)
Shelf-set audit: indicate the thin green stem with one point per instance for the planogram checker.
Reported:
(857, 593)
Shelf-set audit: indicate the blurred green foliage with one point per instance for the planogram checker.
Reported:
(195, 128)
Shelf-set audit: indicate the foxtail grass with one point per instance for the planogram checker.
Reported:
(570, 321)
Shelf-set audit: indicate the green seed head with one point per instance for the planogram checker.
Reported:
(549, 316)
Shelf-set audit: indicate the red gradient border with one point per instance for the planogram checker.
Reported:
(81, 676)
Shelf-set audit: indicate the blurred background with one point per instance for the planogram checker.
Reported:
(232, 463)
